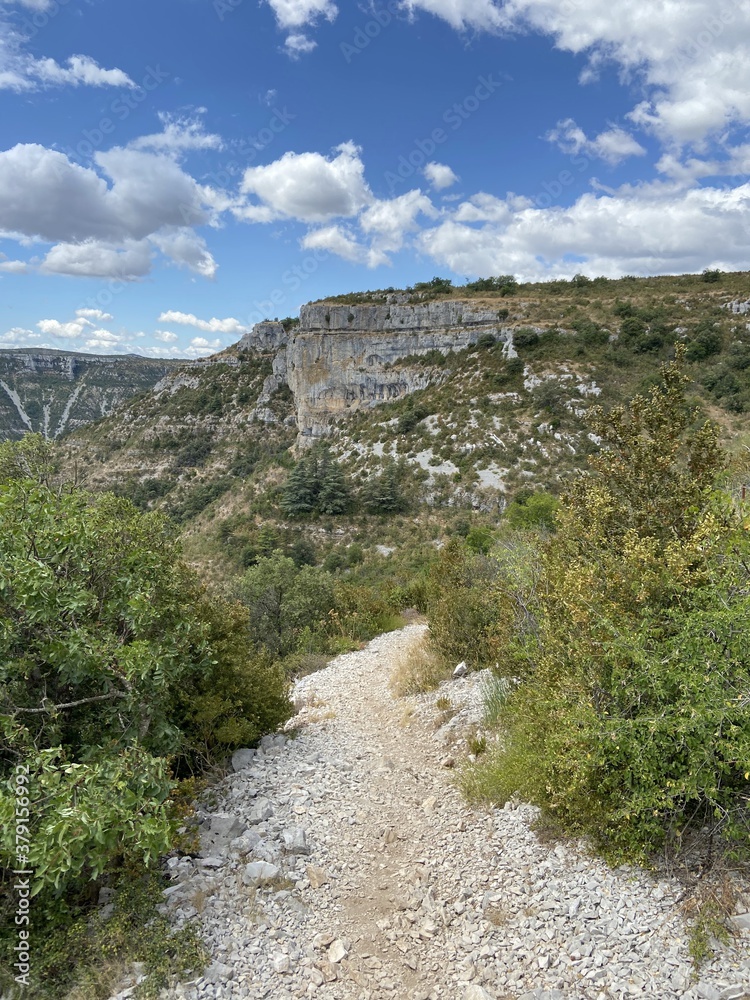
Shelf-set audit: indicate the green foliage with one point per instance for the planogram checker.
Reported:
(287, 604)
(633, 724)
(86, 957)
(384, 493)
(462, 607)
(437, 286)
(532, 510)
(109, 650)
(711, 276)
(505, 284)
(316, 485)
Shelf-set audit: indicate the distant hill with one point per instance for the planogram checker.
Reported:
(55, 392)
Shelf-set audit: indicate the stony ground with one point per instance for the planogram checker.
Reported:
(342, 863)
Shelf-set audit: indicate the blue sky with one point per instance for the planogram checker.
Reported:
(172, 172)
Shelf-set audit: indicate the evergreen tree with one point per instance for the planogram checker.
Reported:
(298, 497)
(383, 494)
(333, 497)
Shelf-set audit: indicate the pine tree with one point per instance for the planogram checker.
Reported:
(298, 496)
(383, 494)
(333, 497)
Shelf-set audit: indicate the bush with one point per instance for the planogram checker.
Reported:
(532, 510)
(633, 725)
(109, 648)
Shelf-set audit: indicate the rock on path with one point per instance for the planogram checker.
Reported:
(343, 864)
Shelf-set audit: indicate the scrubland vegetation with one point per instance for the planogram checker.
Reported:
(153, 615)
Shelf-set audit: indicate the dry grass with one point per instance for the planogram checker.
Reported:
(419, 668)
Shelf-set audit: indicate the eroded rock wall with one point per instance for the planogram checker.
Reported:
(341, 358)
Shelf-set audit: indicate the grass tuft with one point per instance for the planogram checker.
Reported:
(419, 668)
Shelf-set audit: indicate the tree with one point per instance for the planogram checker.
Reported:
(633, 724)
(316, 485)
(383, 494)
(283, 600)
(333, 496)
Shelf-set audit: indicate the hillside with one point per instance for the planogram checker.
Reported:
(55, 392)
(475, 392)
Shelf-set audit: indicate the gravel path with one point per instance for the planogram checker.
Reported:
(342, 863)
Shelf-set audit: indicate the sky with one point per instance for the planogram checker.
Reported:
(174, 171)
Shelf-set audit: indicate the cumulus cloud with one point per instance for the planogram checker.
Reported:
(203, 344)
(341, 242)
(462, 14)
(95, 259)
(13, 266)
(308, 187)
(439, 175)
(187, 249)
(229, 325)
(388, 222)
(72, 329)
(612, 146)
(104, 229)
(292, 15)
(19, 336)
(640, 229)
(298, 45)
(166, 336)
(97, 314)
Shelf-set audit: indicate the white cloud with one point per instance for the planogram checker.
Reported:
(307, 186)
(20, 71)
(613, 146)
(462, 14)
(13, 266)
(204, 344)
(101, 229)
(439, 175)
(389, 221)
(214, 325)
(72, 329)
(20, 337)
(166, 336)
(95, 259)
(292, 15)
(80, 70)
(690, 56)
(298, 13)
(97, 314)
(642, 229)
(187, 249)
(298, 45)
(178, 135)
(339, 241)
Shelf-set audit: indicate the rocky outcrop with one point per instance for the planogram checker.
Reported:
(266, 336)
(340, 358)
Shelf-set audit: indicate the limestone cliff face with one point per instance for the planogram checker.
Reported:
(54, 392)
(340, 358)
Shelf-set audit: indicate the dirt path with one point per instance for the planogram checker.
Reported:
(379, 882)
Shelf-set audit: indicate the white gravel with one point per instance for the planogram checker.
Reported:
(342, 863)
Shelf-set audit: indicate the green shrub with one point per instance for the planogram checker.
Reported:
(633, 725)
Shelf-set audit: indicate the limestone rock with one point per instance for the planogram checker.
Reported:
(259, 872)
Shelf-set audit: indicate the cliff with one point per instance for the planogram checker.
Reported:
(341, 358)
(54, 392)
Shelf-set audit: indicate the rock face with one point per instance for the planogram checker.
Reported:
(264, 336)
(53, 392)
(341, 358)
